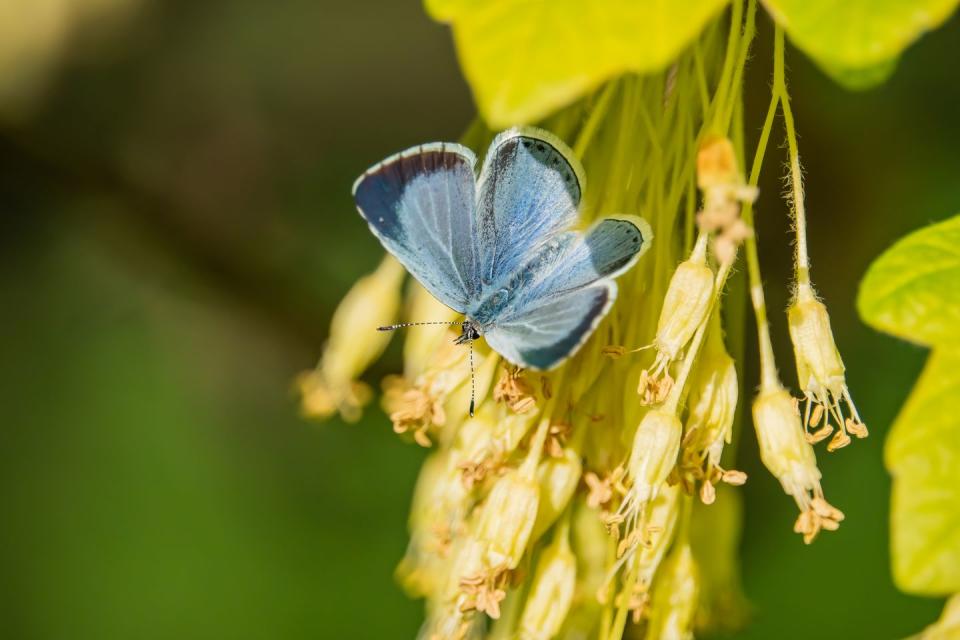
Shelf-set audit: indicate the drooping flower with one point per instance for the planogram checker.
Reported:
(821, 373)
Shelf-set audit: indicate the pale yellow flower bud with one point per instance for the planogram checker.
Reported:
(654, 453)
(789, 457)
(674, 597)
(437, 515)
(354, 343)
(660, 525)
(713, 402)
(820, 371)
(551, 590)
(685, 305)
(506, 518)
(558, 479)
(783, 449)
(684, 310)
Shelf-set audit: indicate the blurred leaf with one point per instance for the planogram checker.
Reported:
(913, 290)
(852, 40)
(526, 58)
(923, 455)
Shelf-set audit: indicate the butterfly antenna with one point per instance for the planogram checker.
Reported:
(473, 383)
(391, 327)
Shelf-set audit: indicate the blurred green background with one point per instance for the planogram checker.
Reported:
(177, 229)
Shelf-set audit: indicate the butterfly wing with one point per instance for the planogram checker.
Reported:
(554, 313)
(529, 191)
(420, 204)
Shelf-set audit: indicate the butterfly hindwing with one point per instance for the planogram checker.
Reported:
(563, 298)
(607, 249)
(420, 204)
(529, 190)
(543, 336)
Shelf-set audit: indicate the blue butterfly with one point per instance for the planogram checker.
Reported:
(501, 249)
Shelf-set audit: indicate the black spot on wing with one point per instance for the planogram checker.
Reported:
(548, 357)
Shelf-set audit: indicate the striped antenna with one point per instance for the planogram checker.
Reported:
(392, 327)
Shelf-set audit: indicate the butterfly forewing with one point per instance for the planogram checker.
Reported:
(420, 204)
(529, 191)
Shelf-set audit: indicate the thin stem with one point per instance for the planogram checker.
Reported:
(733, 38)
(768, 367)
(620, 621)
(796, 176)
(749, 30)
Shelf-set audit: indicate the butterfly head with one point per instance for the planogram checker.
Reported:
(469, 333)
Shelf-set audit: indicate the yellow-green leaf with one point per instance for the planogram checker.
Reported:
(524, 59)
(853, 39)
(913, 290)
(923, 455)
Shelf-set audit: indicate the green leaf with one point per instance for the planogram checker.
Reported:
(852, 39)
(923, 455)
(525, 59)
(913, 290)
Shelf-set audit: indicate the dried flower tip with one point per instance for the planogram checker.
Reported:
(654, 389)
(838, 441)
(506, 519)
(819, 516)
(551, 591)
(614, 351)
(708, 494)
(820, 434)
(734, 477)
(856, 428)
(600, 491)
(515, 391)
(820, 368)
(815, 417)
(415, 412)
(716, 163)
(320, 400)
(484, 591)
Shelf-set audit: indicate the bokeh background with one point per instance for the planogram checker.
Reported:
(176, 229)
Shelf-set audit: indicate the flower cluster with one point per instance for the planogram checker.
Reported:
(573, 503)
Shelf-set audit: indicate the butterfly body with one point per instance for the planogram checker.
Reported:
(500, 248)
